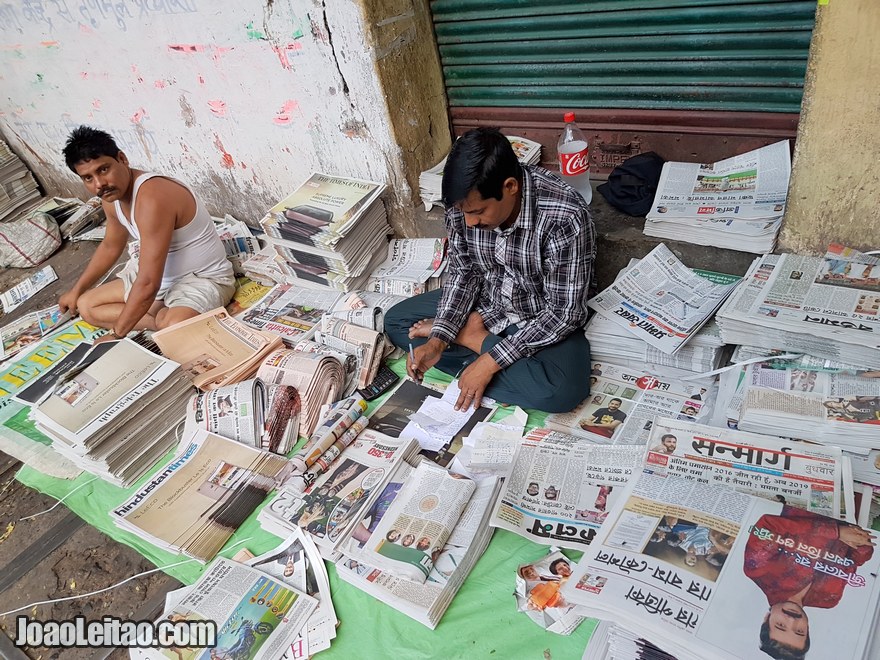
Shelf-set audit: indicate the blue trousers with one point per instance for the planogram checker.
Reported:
(555, 379)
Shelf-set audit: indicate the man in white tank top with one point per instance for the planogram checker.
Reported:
(178, 267)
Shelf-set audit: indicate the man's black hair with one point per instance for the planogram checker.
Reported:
(668, 435)
(482, 160)
(555, 564)
(616, 399)
(87, 143)
(780, 651)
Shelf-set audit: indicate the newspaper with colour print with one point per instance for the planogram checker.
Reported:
(662, 301)
(290, 312)
(749, 186)
(21, 292)
(257, 616)
(795, 473)
(700, 569)
(561, 488)
(623, 403)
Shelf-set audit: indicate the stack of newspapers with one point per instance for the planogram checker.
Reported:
(431, 181)
(18, 188)
(413, 266)
(823, 306)
(266, 267)
(412, 557)
(661, 301)
(114, 413)
(732, 545)
(330, 232)
(735, 203)
(611, 342)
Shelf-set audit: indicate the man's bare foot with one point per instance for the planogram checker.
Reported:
(421, 328)
(473, 333)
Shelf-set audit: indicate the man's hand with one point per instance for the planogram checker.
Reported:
(425, 357)
(474, 380)
(854, 536)
(67, 301)
(105, 338)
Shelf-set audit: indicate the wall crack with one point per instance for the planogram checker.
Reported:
(333, 52)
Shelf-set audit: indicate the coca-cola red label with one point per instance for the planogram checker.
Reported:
(576, 163)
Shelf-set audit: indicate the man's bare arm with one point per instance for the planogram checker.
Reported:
(108, 252)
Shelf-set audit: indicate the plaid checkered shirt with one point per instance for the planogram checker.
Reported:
(537, 273)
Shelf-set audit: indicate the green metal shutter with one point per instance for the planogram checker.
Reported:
(725, 55)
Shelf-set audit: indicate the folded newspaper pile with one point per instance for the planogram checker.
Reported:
(705, 572)
(88, 217)
(266, 267)
(735, 203)
(202, 496)
(414, 546)
(319, 379)
(663, 302)
(823, 306)
(330, 232)
(431, 181)
(238, 241)
(611, 342)
(623, 403)
(251, 412)
(215, 349)
(251, 611)
(413, 266)
(114, 413)
(27, 331)
(330, 508)
(18, 188)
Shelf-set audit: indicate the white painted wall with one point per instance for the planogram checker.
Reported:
(242, 100)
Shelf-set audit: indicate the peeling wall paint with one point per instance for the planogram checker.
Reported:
(242, 101)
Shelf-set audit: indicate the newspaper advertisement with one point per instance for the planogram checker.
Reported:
(258, 616)
(794, 473)
(21, 292)
(214, 347)
(622, 404)
(729, 575)
(538, 593)
(296, 563)
(365, 344)
(330, 507)
(561, 488)
(662, 301)
(752, 185)
(418, 523)
(289, 311)
(233, 411)
(412, 259)
(423, 601)
(322, 208)
(200, 498)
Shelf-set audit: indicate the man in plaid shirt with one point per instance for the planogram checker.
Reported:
(509, 317)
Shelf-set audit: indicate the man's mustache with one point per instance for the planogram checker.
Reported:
(105, 191)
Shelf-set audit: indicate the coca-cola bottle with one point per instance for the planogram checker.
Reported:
(574, 158)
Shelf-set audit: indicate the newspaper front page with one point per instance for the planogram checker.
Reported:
(290, 312)
(704, 571)
(419, 522)
(256, 614)
(331, 506)
(21, 292)
(662, 301)
(561, 488)
(623, 403)
(794, 473)
(365, 344)
(412, 259)
(752, 185)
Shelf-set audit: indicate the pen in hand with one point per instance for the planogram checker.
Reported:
(412, 361)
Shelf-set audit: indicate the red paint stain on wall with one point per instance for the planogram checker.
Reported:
(285, 115)
(96, 104)
(160, 84)
(186, 48)
(227, 161)
(84, 75)
(217, 107)
(138, 116)
(137, 74)
(201, 80)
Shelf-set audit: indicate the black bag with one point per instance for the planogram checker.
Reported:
(632, 184)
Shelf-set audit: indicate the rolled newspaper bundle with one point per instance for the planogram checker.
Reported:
(338, 420)
(322, 464)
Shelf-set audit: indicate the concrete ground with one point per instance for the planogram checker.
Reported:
(57, 555)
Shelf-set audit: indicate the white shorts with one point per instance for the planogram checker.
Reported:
(199, 293)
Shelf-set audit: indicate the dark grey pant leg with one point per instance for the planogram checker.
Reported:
(555, 379)
(399, 319)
